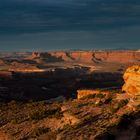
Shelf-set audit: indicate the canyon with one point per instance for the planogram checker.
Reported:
(40, 75)
(95, 114)
(91, 56)
(79, 95)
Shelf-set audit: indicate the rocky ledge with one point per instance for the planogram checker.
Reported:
(132, 80)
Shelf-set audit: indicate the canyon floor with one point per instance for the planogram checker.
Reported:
(69, 95)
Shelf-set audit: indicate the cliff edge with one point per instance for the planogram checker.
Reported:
(89, 56)
(132, 80)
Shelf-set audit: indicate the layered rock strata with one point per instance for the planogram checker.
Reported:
(132, 80)
(90, 56)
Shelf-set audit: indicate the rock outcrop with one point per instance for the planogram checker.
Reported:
(35, 55)
(90, 56)
(84, 93)
(24, 67)
(132, 80)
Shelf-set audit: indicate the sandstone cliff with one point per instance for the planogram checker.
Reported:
(35, 55)
(85, 93)
(132, 80)
(23, 67)
(90, 56)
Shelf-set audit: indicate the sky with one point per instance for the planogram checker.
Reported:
(42, 25)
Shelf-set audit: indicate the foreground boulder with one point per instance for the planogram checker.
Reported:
(132, 80)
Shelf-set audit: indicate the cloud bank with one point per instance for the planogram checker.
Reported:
(94, 18)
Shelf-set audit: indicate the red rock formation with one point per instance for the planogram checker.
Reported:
(63, 55)
(94, 57)
(35, 55)
(132, 80)
(23, 67)
(118, 56)
(84, 93)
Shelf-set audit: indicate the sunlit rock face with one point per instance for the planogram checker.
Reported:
(98, 57)
(84, 93)
(132, 80)
(90, 56)
(87, 92)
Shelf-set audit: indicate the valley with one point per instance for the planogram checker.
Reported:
(75, 95)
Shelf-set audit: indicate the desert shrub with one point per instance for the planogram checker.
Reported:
(108, 100)
(40, 114)
(18, 119)
(37, 115)
(3, 121)
(67, 127)
(39, 131)
(14, 121)
(81, 105)
(57, 114)
(100, 95)
(113, 109)
(32, 103)
(114, 91)
(120, 104)
(99, 103)
(87, 119)
(91, 103)
(121, 92)
(90, 96)
(117, 91)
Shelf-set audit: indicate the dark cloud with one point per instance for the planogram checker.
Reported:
(39, 17)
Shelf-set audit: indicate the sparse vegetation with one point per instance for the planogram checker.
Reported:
(39, 131)
(100, 95)
(81, 105)
(87, 119)
(40, 114)
(123, 102)
(14, 121)
(114, 108)
(90, 96)
(117, 91)
(94, 115)
(45, 75)
(108, 100)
